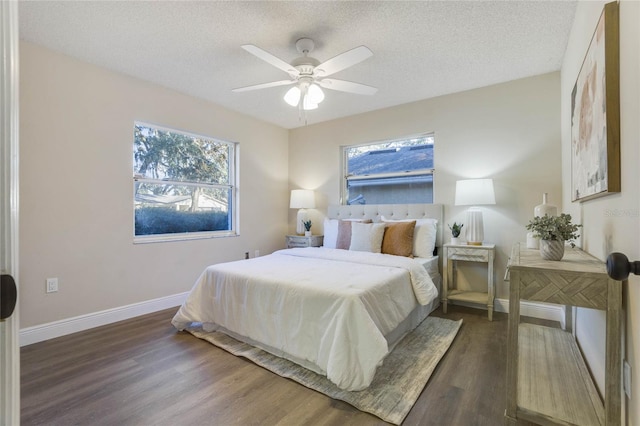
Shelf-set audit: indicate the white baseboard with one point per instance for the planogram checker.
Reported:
(545, 311)
(63, 327)
(66, 326)
(539, 310)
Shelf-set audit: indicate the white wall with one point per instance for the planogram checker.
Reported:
(611, 223)
(509, 132)
(76, 206)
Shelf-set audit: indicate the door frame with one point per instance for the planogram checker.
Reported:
(9, 144)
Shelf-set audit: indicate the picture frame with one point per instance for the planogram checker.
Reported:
(595, 113)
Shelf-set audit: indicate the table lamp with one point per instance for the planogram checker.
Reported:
(302, 199)
(474, 192)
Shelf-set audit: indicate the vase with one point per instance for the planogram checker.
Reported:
(532, 241)
(545, 208)
(551, 249)
(307, 233)
(455, 240)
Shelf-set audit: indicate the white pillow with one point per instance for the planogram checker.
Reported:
(424, 235)
(366, 237)
(330, 232)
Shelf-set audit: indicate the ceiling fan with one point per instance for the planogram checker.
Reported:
(308, 74)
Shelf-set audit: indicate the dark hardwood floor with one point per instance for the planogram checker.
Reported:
(143, 372)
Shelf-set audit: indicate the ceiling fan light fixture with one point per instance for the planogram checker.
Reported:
(310, 96)
(292, 97)
(308, 104)
(315, 94)
(308, 75)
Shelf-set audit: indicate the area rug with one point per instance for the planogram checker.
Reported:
(396, 385)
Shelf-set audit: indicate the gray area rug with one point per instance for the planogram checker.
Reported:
(397, 383)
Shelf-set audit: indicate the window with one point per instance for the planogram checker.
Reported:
(184, 185)
(390, 172)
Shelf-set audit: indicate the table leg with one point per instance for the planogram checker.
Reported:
(445, 281)
(491, 285)
(512, 345)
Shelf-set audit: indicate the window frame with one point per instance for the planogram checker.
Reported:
(346, 176)
(232, 186)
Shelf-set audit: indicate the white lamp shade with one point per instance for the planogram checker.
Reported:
(315, 94)
(292, 97)
(474, 192)
(302, 199)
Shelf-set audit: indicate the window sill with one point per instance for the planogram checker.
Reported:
(162, 238)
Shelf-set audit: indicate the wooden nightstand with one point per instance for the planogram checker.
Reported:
(302, 241)
(454, 252)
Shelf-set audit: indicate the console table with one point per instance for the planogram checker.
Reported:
(547, 379)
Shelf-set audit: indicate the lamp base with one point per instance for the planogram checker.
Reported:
(301, 217)
(475, 227)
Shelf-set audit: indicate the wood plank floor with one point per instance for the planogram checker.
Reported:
(143, 372)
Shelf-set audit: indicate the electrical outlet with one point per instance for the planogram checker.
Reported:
(627, 379)
(52, 285)
(256, 253)
(246, 254)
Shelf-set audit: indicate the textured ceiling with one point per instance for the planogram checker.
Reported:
(421, 49)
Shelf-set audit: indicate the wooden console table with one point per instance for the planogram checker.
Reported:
(547, 379)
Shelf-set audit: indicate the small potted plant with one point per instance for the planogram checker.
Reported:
(455, 232)
(307, 227)
(553, 232)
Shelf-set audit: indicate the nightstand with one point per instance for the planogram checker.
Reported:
(454, 252)
(302, 241)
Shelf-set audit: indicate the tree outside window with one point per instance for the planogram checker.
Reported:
(183, 183)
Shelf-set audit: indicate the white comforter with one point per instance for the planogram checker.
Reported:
(330, 308)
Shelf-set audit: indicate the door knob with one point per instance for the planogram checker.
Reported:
(619, 267)
(8, 296)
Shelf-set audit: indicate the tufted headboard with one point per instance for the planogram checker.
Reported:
(391, 211)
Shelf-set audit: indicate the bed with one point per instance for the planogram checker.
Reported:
(335, 311)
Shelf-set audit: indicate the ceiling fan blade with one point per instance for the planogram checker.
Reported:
(342, 61)
(347, 86)
(264, 85)
(269, 58)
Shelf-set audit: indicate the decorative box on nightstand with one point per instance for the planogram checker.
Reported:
(294, 241)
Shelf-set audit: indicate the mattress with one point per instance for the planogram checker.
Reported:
(420, 312)
(336, 312)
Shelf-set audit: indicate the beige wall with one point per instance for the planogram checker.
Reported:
(76, 190)
(509, 132)
(76, 212)
(611, 223)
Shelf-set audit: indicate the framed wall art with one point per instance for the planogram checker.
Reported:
(595, 114)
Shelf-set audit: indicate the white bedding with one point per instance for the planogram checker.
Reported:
(328, 307)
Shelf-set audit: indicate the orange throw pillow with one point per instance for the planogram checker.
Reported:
(398, 238)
